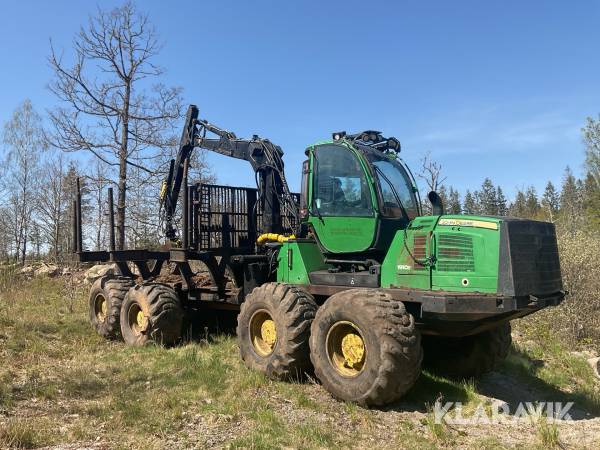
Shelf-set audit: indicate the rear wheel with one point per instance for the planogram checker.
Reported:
(469, 356)
(365, 347)
(273, 330)
(106, 297)
(151, 312)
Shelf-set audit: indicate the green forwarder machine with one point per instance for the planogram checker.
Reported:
(348, 280)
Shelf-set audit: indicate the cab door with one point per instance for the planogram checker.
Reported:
(341, 204)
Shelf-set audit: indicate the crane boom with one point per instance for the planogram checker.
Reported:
(264, 157)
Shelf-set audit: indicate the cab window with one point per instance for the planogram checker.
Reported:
(340, 186)
(395, 186)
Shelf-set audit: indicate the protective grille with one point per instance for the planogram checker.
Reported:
(534, 257)
(229, 217)
(419, 250)
(455, 253)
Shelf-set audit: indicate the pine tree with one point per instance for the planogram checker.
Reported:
(501, 202)
(519, 208)
(591, 201)
(488, 202)
(532, 205)
(443, 193)
(570, 201)
(470, 205)
(454, 206)
(550, 202)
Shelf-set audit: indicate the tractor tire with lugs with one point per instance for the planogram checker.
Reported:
(106, 297)
(273, 330)
(365, 347)
(469, 356)
(151, 313)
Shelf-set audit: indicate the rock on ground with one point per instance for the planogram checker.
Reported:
(27, 271)
(99, 270)
(46, 270)
(595, 363)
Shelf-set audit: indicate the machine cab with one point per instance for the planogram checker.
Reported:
(355, 196)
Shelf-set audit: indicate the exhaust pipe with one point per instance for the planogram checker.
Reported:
(437, 206)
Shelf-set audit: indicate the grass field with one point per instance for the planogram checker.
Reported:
(62, 386)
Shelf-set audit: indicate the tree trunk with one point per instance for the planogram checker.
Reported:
(123, 170)
(24, 248)
(56, 238)
(121, 200)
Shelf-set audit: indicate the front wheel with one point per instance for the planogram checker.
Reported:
(365, 347)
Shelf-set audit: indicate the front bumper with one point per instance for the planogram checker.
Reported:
(452, 313)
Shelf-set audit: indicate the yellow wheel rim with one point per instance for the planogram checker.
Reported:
(346, 348)
(140, 319)
(100, 307)
(137, 320)
(263, 333)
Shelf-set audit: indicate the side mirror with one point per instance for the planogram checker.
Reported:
(437, 206)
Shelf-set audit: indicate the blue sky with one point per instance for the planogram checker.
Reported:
(498, 90)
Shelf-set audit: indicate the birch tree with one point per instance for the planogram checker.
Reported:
(23, 137)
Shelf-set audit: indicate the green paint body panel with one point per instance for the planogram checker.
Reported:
(398, 268)
(456, 253)
(296, 260)
(345, 234)
(465, 259)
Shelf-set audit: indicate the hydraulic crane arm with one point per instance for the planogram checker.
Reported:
(264, 157)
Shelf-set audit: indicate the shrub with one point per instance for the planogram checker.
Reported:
(577, 319)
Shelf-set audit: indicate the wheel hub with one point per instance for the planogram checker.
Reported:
(142, 321)
(101, 308)
(138, 322)
(268, 332)
(346, 348)
(353, 349)
(263, 333)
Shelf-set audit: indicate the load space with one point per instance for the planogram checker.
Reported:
(347, 281)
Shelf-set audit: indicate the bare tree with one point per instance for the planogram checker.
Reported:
(591, 139)
(431, 172)
(53, 205)
(23, 136)
(6, 241)
(98, 184)
(5, 235)
(109, 107)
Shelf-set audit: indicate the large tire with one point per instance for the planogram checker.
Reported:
(273, 330)
(106, 297)
(469, 356)
(151, 312)
(379, 366)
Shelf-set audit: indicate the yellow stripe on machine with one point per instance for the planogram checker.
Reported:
(469, 223)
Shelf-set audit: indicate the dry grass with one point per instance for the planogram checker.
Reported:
(60, 383)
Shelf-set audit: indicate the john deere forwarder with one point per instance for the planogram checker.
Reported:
(344, 279)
